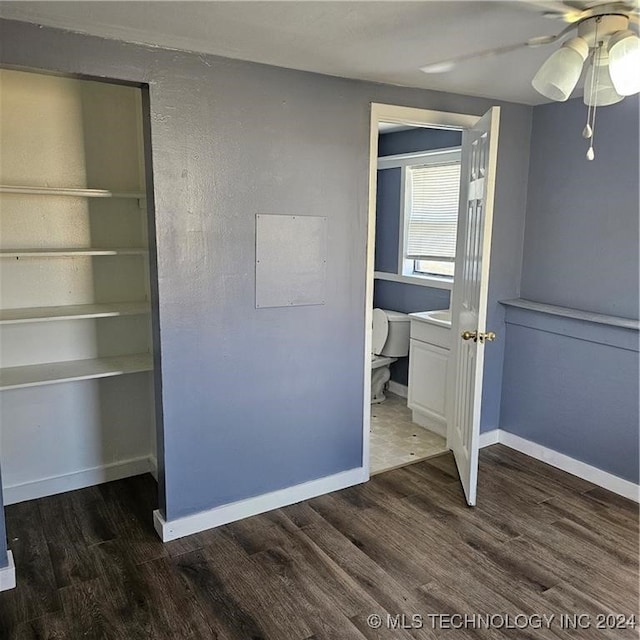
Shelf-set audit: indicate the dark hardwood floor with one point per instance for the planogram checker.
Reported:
(540, 542)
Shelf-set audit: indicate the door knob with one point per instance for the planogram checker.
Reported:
(489, 336)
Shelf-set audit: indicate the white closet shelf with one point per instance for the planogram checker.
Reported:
(56, 253)
(73, 312)
(55, 372)
(61, 191)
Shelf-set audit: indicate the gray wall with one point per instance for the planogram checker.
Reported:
(258, 400)
(573, 385)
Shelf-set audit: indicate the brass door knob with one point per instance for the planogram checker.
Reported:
(489, 336)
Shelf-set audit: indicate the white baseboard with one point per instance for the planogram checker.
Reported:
(76, 480)
(8, 575)
(429, 423)
(576, 467)
(224, 514)
(399, 389)
(153, 467)
(564, 462)
(489, 437)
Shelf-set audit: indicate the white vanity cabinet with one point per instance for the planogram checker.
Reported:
(429, 357)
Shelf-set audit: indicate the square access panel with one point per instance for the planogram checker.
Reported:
(291, 260)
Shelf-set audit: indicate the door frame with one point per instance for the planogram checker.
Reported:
(412, 116)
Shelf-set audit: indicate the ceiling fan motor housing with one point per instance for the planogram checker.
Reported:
(604, 26)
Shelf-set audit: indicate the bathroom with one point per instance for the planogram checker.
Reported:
(417, 193)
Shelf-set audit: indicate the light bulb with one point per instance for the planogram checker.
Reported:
(605, 93)
(559, 74)
(624, 62)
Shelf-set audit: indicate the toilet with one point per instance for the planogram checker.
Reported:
(390, 341)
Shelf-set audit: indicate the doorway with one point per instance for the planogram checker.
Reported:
(417, 193)
(447, 183)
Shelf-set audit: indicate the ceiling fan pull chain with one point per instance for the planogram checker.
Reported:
(587, 132)
(590, 128)
(591, 152)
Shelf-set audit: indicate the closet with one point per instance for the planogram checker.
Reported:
(76, 377)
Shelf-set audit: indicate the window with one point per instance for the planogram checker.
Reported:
(421, 197)
(431, 216)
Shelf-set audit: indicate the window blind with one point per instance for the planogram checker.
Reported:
(433, 211)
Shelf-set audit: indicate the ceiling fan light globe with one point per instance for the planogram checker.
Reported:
(605, 93)
(559, 74)
(624, 62)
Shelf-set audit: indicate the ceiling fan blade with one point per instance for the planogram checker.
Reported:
(574, 11)
(567, 10)
(446, 65)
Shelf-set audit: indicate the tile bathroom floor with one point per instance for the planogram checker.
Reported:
(395, 440)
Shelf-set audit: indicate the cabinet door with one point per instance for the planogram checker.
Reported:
(428, 379)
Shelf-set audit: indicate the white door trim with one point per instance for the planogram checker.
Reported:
(401, 115)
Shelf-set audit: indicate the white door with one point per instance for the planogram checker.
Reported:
(469, 300)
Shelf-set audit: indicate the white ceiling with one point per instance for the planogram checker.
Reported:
(378, 41)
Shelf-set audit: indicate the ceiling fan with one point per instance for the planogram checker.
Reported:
(604, 43)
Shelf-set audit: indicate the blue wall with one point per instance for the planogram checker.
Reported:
(396, 295)
(573, 385)
(244, 391)
(388, 194)
(581, 242)
(417, 139)
(409, 298)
